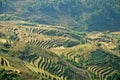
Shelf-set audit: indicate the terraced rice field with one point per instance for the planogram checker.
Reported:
(47, 44)
(102, 72)
(40, 64)
(47, 65)
(4, 64)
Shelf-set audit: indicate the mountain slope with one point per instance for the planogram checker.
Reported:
(45, 52)
(76, 14)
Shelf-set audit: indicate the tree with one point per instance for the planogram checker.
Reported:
(6, 75)
(118, 48)
(27, 51)
(7, 45)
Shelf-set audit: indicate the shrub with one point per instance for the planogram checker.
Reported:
(71, 43)
(6, 75)
(7, 45)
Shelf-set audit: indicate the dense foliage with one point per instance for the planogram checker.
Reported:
(4, 75)
(79, 14)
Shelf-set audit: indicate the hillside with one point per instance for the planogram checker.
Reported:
(30, 51)
(59, 40)
(100, 15)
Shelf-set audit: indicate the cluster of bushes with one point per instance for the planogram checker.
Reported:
(116, 76)
(118, 48)
(6, 75)
(71, 43)
(89, 14)
(7, 17)
(2, 34)
(27, 24)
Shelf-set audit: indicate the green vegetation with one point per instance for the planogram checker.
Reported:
(45, 54)
(114, 77)
(118, 48)
(79, 15)
(7, 45)
(14, 37)
(7, 17)
(71, 43)
(54, 40)
(6, 75)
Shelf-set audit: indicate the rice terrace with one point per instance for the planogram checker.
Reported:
(59, 40)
